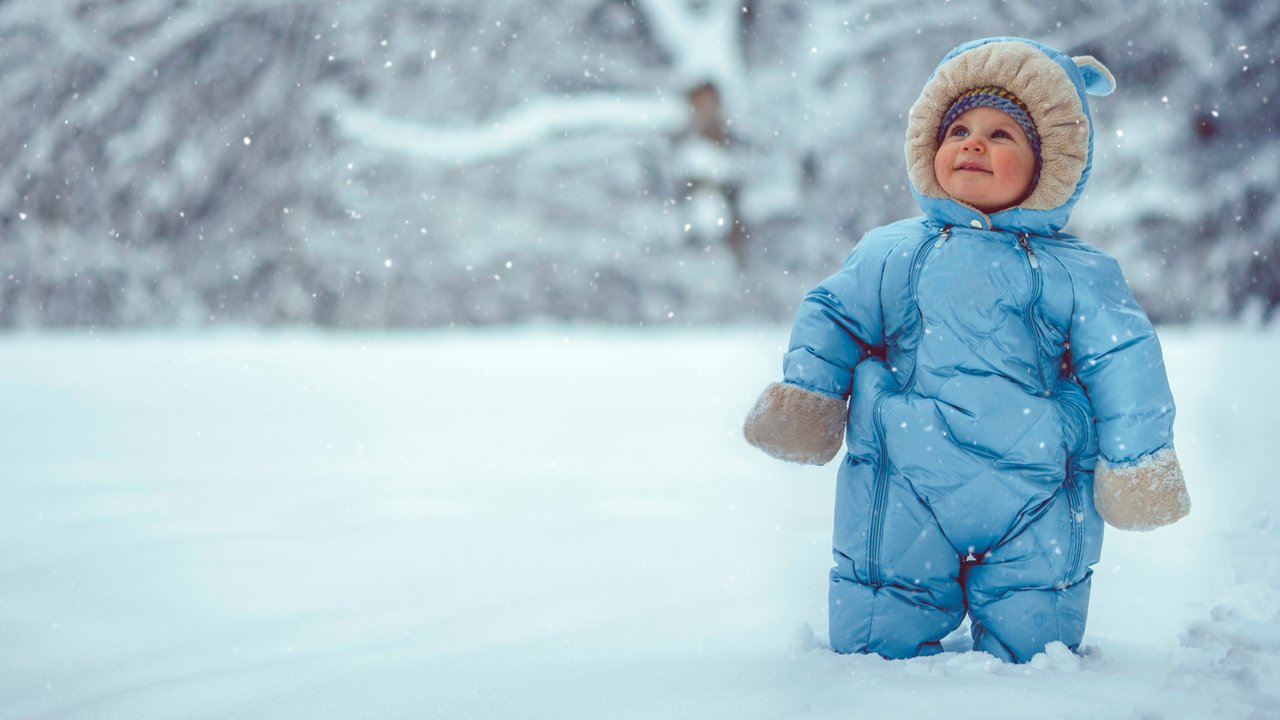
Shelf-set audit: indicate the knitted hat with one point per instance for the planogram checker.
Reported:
(1004, 101)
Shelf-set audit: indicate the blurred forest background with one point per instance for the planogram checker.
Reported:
(401, 163)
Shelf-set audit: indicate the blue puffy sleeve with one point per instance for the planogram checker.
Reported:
(1116, 356)
(839, 322)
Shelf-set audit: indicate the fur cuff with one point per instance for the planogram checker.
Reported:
(796, 425)
(1142, 495)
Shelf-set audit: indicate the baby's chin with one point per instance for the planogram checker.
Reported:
(985, 203)
(985, 206)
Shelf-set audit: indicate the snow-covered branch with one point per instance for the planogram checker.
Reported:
(193, 158)
(518, 130)
(705, 46)
(840, 36)
(131, 65)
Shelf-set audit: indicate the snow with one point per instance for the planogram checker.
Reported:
(704, 45)
(150, 145)
(546, 523)
(520, 129)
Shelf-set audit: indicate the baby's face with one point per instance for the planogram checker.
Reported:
(985, 160)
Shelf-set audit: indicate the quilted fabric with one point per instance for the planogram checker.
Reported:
(987, 367)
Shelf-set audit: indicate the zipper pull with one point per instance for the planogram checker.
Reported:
(1031, 254)
(942, 236)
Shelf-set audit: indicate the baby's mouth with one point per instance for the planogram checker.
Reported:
(973, 167)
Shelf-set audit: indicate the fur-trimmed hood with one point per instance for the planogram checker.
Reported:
(1053, 86)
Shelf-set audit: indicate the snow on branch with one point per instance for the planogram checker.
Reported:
(129, 66)
(518, 130)
(704, 46)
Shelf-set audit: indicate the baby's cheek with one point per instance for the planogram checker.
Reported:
(941, 163)
(1013, 169)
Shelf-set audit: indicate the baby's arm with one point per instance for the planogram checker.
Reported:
(1116, 356)
(802, 418)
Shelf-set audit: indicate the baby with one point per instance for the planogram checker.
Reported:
(999, 390)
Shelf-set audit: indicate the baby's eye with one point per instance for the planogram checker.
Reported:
(959, 131)
(1001, 134)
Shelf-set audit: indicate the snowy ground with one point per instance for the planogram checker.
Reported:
(545, 524)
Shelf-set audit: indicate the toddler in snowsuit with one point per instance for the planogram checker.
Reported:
(995, 382)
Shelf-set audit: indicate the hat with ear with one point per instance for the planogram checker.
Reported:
(1050, 91)
(1098, 80)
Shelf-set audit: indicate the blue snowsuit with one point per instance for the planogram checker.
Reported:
(988, 361)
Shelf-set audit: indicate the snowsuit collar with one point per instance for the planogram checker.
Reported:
(1053, 86)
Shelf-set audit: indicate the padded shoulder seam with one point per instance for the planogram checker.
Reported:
(887, 238)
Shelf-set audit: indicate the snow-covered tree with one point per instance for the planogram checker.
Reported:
(426, 162)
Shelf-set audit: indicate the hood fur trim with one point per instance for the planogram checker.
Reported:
(1038, 81)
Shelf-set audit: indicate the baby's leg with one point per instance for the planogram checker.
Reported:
(895, 587)
(1032, 588)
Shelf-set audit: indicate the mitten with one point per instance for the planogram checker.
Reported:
(1142, 495)
(796, 425)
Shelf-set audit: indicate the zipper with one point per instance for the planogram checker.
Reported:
(1029, 312)
(1076, 503)
(1077, 531)
(1082, 422)
(942, 236)
(1031, 254)
(913, 281)
(879, 499)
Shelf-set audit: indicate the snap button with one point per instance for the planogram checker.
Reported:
(975, 223)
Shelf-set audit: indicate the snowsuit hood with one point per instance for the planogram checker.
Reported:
(1053, 86)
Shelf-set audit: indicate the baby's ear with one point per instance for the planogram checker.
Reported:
(1098, 80)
